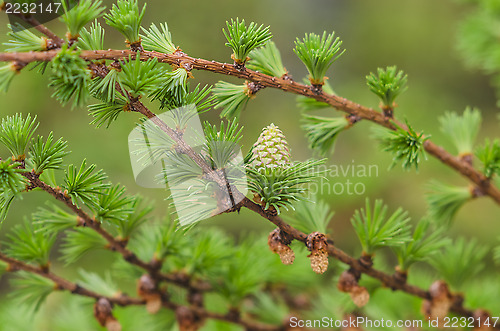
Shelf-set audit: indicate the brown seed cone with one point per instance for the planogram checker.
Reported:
(359, 296)
(187, 319)
(146, 289)
(440, 303)
(318, 246)
(103, 312)
(277, 245)
(347, 281)
(482, 316)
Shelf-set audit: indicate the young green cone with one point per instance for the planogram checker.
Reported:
(271, 150)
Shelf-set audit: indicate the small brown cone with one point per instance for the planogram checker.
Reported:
(318, 246)
(348, 283)
(187, 319)
(277, 245)
(440, 303)
(360, 296)
(482, 316)
(103, 312)
(146, 289)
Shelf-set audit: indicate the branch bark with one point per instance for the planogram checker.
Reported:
(287, 85)
(64, 284)
(464, 168)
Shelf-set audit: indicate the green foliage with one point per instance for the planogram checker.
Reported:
(157, 146)
(16, 133)
(94, 282)
(83, 185)
(23, 40)
(93, 39)
(297, 275)
(105, 113)
(136, 218)
(444, 201)
(241, 277)
(243, 39)
(72, 313)
(6, 199)
(405, 145)
(172, 88)
(48, 154)
(267, 60)
(7, 74)
(318, 53)
(496, 253)
(159, 41)
(200, 97)
(79, 242)
(105, 88)
(269, 309)
(158, 241)
(307, 104)
(231, 98)
(477, 40)
(375, 230)
(212, 250)
(54, 219)
(462, 130)
(78, 13)
(426, 242)
(113, 100)
(279, 188)
(31, 289)
(114, 206)
(489, 155)
(141, 77)
(311, 215)
(222, 145)
(29, 243)
(460, 262)
(387, 84)
(11, 178)
(126, 17)
(321, 132)
(70, 77)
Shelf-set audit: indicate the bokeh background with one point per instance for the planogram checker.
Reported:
(419, 36)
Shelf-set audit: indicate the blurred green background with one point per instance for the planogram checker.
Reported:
(418, 36)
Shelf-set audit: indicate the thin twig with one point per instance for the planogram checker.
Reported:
(56, 40)
(342, 104)
(290, 86)
(64, 284)
(386, 279)
(124, 300)
(115, 245)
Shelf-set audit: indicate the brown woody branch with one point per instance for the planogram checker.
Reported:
(287, 85)
(64, 284)
(124, 300)
(390, 281)
(454, 162)
(153, 268)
